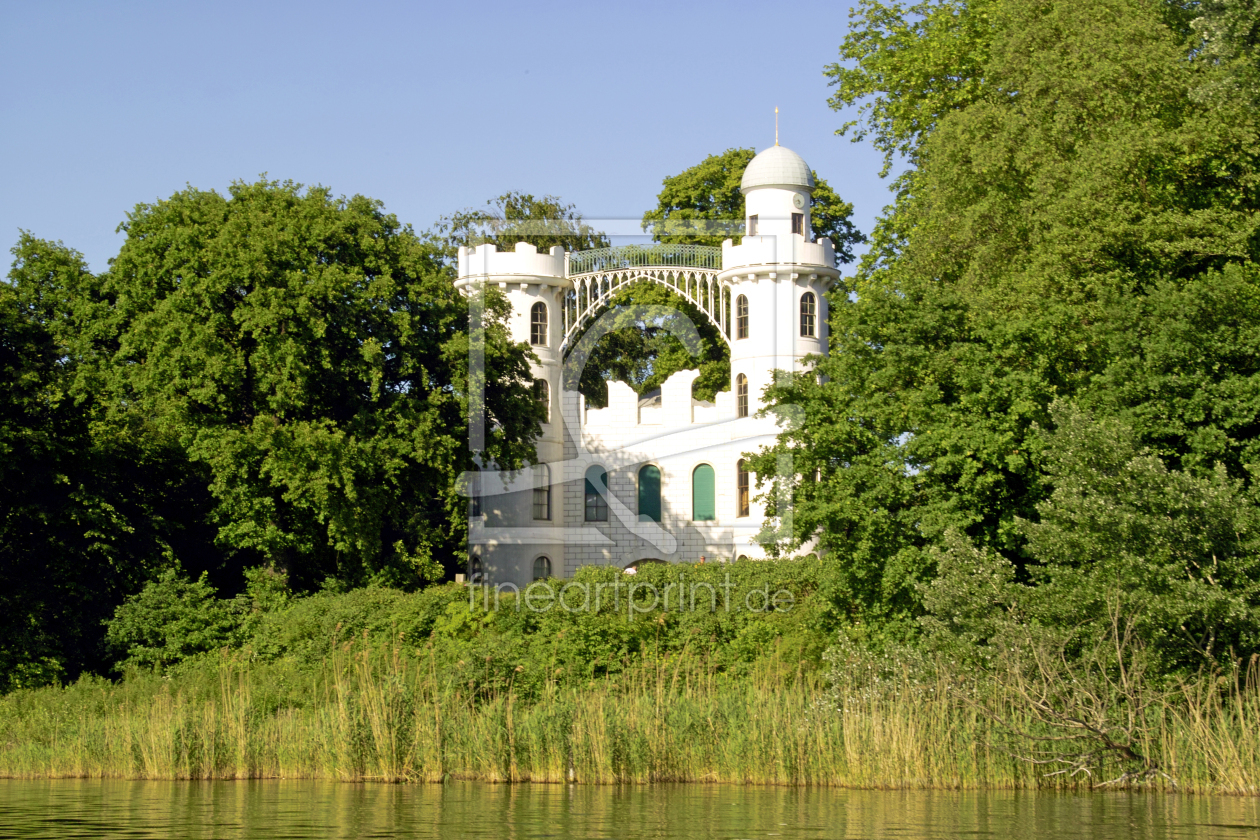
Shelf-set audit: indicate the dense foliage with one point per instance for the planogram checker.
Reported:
(703, 205)
(595, 625)
(1077, 223)
(275, 377)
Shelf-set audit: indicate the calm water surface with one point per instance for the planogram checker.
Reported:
(276, 810)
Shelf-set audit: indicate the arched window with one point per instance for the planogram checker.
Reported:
(542, 567)
(808, 305)
(542, 393)
(596, 487)
(542, 491)
(741, 317)
(649, 493)
(703, 494)
(741, 396)
(538, 323)
(742, 499)
(475, 573)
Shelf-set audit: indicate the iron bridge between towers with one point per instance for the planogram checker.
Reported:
(687, 270)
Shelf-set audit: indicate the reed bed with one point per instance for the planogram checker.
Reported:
(387, 715)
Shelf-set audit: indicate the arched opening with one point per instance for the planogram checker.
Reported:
(542, 567)
(538, 324)
(649, 493)
(542, 491)
(542, 393)
(741, 396)
(596, 486)
(703, 494)
(743, 500)
(808, 305)
(741, 317)
(475, 573)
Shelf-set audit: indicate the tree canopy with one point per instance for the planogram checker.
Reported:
(518, 217)
(310, 352)
(703, 205)
(1077, 222)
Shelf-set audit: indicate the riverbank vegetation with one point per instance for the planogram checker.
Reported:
(377, 684)
(229, 478)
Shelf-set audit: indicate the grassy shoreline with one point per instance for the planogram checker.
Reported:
(383, 713)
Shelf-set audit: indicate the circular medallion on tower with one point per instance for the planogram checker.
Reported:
(777, 166)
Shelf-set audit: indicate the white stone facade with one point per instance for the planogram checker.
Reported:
(544, 512)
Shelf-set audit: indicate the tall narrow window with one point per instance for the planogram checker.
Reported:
(542, 393)
(808, 305)
(596, 486)
(798, 223)
(474, 501)
(741, 396)
(476, 574)
(752, 225)
(741, 317)
(741, 486)
(542, 568)
(703, 494)
(542, 491)
(538, 324)
(649, 493)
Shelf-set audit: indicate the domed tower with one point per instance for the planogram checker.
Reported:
(778, 277)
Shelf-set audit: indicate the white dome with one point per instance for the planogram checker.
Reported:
(777, 166)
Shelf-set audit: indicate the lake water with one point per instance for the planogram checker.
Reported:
(276, 810)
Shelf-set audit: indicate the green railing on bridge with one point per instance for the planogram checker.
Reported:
(633, 256)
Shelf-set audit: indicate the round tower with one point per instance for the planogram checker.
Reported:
(534, 284)
(778, 277)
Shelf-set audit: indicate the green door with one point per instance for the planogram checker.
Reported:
(650, 494)
(703, 494)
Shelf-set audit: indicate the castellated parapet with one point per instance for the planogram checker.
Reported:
(660, 476)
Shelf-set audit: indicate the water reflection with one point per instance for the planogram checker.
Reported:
(278, 810)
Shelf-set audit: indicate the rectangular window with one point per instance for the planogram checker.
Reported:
(752, 225)
(542, 492)
(798, 223)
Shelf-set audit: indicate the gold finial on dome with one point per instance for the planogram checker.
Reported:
(776, 125)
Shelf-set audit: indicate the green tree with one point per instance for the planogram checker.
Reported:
(1064, 176)
(170, 620)
(311, 354)
(88, 511)
(1182, 547)
(703, 205)
(517, 217)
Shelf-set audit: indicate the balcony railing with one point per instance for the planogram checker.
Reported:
(633, 256)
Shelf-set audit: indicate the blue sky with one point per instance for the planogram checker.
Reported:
(428, 107)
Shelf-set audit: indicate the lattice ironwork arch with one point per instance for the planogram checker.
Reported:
(699, 286)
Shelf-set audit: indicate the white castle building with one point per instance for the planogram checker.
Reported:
(660, 477)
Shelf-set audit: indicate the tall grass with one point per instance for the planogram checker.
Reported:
(386, 714)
